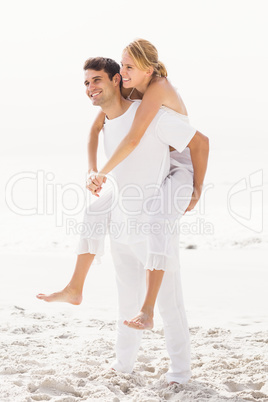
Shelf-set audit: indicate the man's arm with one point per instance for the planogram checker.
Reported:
(172, 130)
(199, 149)
(93, 141)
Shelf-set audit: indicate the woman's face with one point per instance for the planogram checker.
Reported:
(132, 76)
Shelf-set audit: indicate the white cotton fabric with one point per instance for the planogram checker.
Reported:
(173, 200)
(135, 184)
(137, 178)
(131, 278)
(95, 225)
(139, 175)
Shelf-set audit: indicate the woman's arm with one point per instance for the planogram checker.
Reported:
(151, 102)
(93, 141)
(199, 149)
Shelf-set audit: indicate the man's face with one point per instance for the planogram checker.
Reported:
(99, 88)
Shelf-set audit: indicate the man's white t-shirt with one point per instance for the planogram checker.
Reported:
(137, 177)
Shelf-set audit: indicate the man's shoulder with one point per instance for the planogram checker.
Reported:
(161, 112)
(165, 115)
(134, 104)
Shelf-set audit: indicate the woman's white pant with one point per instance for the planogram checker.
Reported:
(95, 224)
(130, 276)
(165, 211)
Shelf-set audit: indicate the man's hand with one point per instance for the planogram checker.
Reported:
(199, 149)
(94, 182)
(194, 200)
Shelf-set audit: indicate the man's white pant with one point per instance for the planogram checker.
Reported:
(129, 261)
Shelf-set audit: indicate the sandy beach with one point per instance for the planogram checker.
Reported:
(58, 352)
(215, 57)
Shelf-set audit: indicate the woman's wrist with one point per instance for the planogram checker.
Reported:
(92, 169)
(103, 172)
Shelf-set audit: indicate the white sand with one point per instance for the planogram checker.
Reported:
(60, 352)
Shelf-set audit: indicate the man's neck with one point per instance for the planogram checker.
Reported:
(116, 108)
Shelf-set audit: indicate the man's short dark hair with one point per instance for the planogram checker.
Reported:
(110, 66)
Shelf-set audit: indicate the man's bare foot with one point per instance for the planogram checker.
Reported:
(66, 295)
(141, 321)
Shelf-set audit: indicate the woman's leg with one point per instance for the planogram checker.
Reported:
(144, 320)
(176, 193)
(96, 220)
(72, 293)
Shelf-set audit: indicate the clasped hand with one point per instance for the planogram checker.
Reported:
(94, 182)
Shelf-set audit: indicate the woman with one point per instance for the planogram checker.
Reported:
(144, 77)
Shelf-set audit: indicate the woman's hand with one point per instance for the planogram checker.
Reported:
(94, 182)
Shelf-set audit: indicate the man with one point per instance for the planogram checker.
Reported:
(136, 179)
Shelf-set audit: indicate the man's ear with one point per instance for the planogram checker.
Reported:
(117, 79)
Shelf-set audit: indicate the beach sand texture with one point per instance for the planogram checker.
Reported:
(58, 352)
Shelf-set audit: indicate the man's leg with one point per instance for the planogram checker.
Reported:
(130, 278)
(171, 307)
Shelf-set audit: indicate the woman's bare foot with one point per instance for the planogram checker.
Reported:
(141, 321)
(66, 295)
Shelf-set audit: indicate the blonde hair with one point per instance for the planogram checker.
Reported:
(145, 55)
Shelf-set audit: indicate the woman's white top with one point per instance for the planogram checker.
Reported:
(136, 178)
